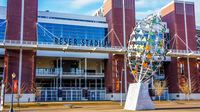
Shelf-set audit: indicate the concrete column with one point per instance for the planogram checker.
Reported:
(101, 84)
(57, 82)
(80, 65)
(95, 89)
(57, 72)
(101, 68)
(80, 83)
(61, 72)
(85, 72)
(96, 85)
(75, 82)
(54, 82)
(57, 63)
(51, 85)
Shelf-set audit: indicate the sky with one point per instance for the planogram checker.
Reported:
(88, 7)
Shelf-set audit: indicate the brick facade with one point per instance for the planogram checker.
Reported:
(173, 14)
(113, 11)
(13, 33)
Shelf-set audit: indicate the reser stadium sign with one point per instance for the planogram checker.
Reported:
(81, 42)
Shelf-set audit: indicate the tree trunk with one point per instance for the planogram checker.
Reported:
(18, 102)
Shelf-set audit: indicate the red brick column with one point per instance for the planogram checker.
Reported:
(113, 11)
(13, 33)
(173, 14)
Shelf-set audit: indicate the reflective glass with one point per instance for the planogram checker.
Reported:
(2, 29)
(72, 35)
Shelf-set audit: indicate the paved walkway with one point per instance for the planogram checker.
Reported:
(178, 106)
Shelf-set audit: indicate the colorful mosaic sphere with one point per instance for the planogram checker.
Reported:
(146, 49)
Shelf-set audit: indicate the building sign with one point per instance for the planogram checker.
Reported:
(82, 42)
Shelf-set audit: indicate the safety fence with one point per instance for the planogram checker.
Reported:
(73, 94)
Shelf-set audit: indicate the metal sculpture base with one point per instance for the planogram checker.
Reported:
(138, 97)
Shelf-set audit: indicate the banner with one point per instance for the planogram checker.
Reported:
(15, 88)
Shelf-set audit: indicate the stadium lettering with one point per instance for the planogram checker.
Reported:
(80, 42)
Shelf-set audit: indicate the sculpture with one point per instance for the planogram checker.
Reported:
(146, 51)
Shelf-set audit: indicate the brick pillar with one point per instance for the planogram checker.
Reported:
(13, 33)
(173, 14)
(113, 11)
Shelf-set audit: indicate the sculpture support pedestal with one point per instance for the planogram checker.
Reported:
(138, 97)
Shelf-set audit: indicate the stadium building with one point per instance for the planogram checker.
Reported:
(68, 57)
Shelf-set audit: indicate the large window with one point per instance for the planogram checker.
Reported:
(2, 29)
(182, 68)
(72, 35)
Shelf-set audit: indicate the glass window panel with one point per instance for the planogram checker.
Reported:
(78, 35)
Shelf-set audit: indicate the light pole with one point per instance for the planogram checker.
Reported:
(187, 46)
(2, 88)
(11, 106)
(125, 46)
(121, 101)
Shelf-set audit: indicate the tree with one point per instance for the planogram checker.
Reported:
(19, 96)
(184, 86)
(159, 87)
(36, 91)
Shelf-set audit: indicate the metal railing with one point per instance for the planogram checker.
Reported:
(183, 53)
(97, 95)
(73, 94)
(70, 88)
(47, 95)
(73, 73)
(83, 74)
(179, 51)
(47, 71)
(56, 71)
(57, 47)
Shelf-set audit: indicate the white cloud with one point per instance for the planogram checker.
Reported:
(91, 12)
(142, 14)
(146, 7)
(82, 3)
(153, 4)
